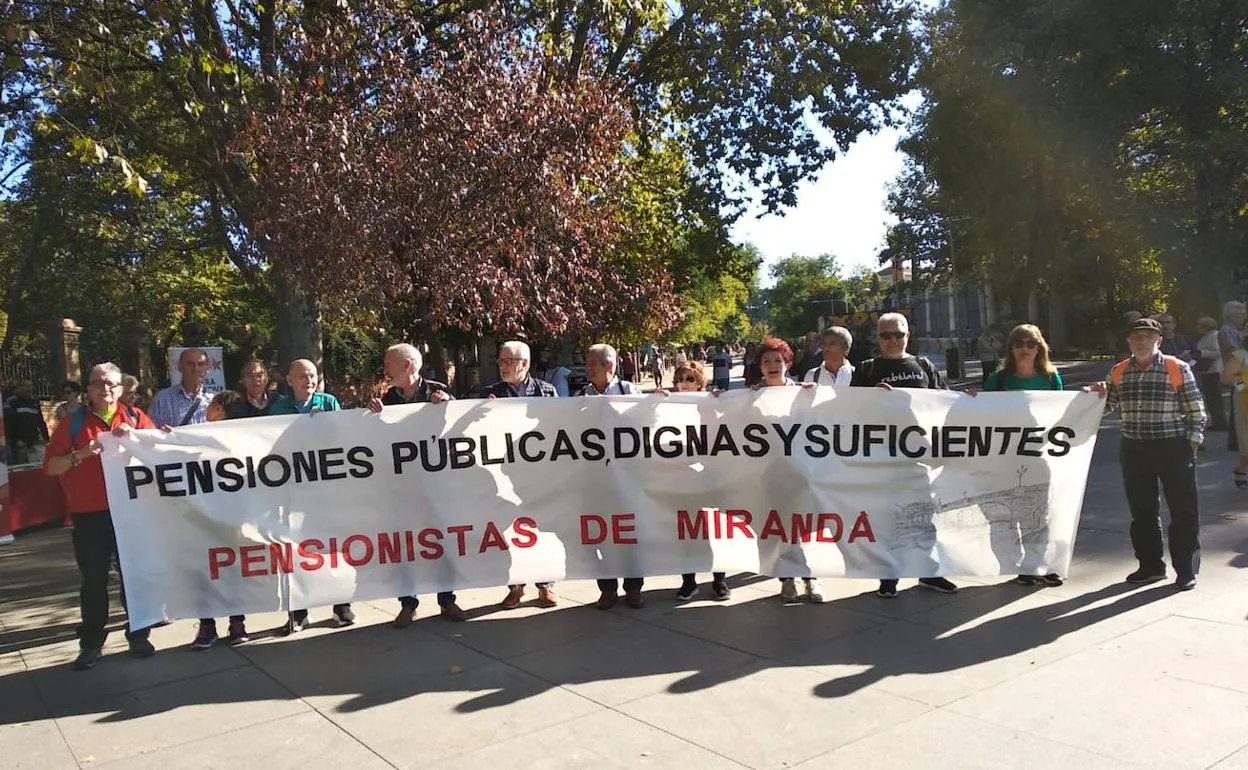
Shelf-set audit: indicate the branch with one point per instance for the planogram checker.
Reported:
(250, 272)
(626, 42)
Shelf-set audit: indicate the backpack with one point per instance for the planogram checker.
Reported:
(996, 381)
(78, 421)
(1173, 370)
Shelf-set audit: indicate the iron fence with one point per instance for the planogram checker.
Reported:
(32, 365)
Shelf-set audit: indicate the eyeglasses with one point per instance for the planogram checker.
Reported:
(1029, 344)
(105, 384)
(511, 361)
(892, 335)
(690, 378)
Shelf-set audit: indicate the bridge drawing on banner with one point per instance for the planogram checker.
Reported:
(1015, 517)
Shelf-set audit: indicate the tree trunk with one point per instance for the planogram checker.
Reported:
(298, 324)
(1056, 332)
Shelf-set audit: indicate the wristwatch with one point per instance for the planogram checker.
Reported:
(73, 459)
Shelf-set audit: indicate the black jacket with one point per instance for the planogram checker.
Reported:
(23, 422)
(530, 388)
(426, 388)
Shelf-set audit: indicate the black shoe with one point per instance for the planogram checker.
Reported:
(888, 589)
(87, 658)
(1185, 582)
(1145, 575)
(687, 592)
(206, 637)
(344, 615)
(1027, 580)
(720, 591)
(1052, 579)
(141, 647)
(939, 584)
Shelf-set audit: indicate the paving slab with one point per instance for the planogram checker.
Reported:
(290, 743)
(603, 739)
(608, 669)
(426, 719)
(142, 721)
(1097, 701)
(35, 745)
(941, 739)
(767, 720)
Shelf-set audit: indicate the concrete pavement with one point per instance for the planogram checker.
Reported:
(1093, 674)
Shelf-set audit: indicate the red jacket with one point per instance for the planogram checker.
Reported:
(83, 485)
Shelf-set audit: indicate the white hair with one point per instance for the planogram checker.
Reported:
(608, 354)
(842, 334)
(903, 324)
(408, 352)
(1230, 306)
(108, 367)
(521, 349)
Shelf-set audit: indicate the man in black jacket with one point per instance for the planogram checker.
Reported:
(402, 364)
(23, 424)
(514, 361)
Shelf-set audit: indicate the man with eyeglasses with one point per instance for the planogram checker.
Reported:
(185, 403)
(402, 364)
(257, 398)
(895, 368)
(73, 457)
(513, 367)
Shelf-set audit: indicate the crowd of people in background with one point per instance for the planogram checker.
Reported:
(1162, 389)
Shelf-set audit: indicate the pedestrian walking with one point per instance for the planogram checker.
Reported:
(1208, 370)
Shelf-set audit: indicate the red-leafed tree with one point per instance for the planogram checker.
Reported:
(449, 182)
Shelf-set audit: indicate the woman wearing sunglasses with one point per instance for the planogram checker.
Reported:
(1027, 367)
(691, 379)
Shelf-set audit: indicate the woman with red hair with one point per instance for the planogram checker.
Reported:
(774, 359)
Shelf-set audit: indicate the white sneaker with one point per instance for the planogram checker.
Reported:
(788, 591)
(814, 592)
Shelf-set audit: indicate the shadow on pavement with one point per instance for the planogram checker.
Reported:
(698, 646)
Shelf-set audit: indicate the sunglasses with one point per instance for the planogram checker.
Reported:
(689, 378)
(892, 335)
(1029, 344)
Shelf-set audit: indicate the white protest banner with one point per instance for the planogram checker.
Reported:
(311, 510)
(214, 380)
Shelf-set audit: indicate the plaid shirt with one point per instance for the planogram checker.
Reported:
(171, 405)
(1152, 409)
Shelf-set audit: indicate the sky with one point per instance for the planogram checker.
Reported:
(842, 211)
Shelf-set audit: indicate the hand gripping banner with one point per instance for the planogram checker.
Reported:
(310, 510)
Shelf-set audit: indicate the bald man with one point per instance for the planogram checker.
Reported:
(303, 378)
(185, 403)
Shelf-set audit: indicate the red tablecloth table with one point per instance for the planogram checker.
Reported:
(34, 498)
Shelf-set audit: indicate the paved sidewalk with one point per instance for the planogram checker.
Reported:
(1090, 675)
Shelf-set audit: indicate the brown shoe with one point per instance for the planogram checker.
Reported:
(404, 618)
(546, 597)
(453, 612)
(514, 597)
(607, 600)
(634, 599)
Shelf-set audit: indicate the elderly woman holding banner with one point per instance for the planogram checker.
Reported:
(690, 378)
(1027, 367)
(774, 359)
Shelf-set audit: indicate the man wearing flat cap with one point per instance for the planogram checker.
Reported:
(1163, 426)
